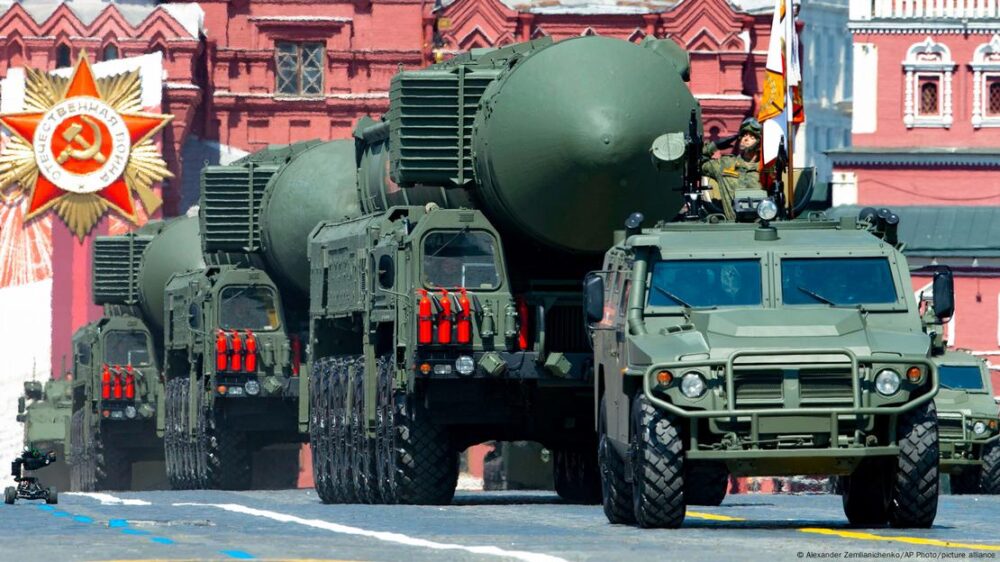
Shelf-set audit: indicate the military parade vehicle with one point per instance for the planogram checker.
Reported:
(234, 332)
(448, 311)
(118, 400)
(763, 347)
(967, 422)
(45, 412)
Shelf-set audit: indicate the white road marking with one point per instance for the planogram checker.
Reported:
(108, 499)
(398, 538)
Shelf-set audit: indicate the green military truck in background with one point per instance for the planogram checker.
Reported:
(45, 412)
(117, 418)
(764, 348)
(967, 421)
(448, 311)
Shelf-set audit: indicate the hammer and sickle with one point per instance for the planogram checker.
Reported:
(87, 151)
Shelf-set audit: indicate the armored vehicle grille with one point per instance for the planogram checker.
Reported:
(950, 428)
(116, 268)
(564, 329)
(431, 116)
(826, 386)
(755, 388)
(818, 384)
(230, 206)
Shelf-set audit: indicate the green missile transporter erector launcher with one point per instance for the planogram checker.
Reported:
(45, 412)
(118, 397)
(967, 414)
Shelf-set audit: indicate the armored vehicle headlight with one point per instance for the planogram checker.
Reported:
(130, 412)
(465, 365)
(979, 428)
(692, 385)
(252, 388)
(767, 210)
(887, 382)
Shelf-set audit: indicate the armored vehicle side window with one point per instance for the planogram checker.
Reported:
(126, 348)
(705, 283)
(83, 353)
(960, 377)
(837, 281)
(248, 308)
(460, 259)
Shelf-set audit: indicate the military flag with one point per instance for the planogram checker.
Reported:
(782, 84)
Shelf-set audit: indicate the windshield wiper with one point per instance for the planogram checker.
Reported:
(450, 240)
(817, 296)
(672, 296)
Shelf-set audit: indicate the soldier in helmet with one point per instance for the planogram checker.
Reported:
(739, 170)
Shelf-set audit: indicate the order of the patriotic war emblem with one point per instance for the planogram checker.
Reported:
(82, 147)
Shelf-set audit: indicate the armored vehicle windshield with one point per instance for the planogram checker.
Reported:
(460, 259)
(833, 281)
(962, 377)
(248, 308)
(126, 348)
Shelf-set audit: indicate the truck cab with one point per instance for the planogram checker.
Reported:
(761, 348)
(967, 418)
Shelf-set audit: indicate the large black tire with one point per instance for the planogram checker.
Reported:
(616, 492)
(362, 459)
(318, 437)
(965, 482)
(174, 436)
(341, 433)
(229, 454)
(866, 493)
(576, 476)
(78, 477)
(915, 495)
(706, 483)
(9, 495)
(657, 467)
(113, 462)
(385, 442)
(425, 465)
(51, 495)
(989, 481)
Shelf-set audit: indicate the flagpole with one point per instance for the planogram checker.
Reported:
(789, 107)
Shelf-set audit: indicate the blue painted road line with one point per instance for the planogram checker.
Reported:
(238, 554)
(136, 532)
(83, 519)
(113, 523)
(162, 540)
(45, 507)
(61, 514)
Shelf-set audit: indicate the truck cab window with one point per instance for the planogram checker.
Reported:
(960, 377)
(465, 258)
(248, 308)
(705, 283)
(126, 348)
(83, 353)
(834, 281)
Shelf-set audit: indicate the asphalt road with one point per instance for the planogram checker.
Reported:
(533, 527)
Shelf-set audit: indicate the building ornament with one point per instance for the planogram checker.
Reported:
(928, 60)
(986, 71)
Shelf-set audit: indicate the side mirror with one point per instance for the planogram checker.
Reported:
(944, 293)
(20, 405)
(593, 298)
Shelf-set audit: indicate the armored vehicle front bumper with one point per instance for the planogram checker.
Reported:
(960, 447)
(514, 365)
(793, 411)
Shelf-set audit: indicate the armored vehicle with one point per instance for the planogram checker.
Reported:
(967, 418)
(45, 411)
(234, 332)
(447, 311)
(775, 347)
(117, 394)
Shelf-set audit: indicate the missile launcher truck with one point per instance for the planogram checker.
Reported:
(763, 347)
(45, 412)
(235, 329)
(967, 418)
(447, 310)
(117, 394)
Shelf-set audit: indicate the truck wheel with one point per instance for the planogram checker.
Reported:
(615, 490)
(9, 495)
(333, 432)
(385, 434)
(866, 493)
(229, 466)
(576, 476)
(174, 436)
(361, 458)
(915, 497)
(657, 467)
(425, 463)
(78, 467)
(989, 482)
(51, 495)
(706, 483)
(317, 430)
(342, 449)
(965, 482)
(114, 464)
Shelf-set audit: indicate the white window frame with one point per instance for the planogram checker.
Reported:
(937, 77)
(985, 65)
(928, 58)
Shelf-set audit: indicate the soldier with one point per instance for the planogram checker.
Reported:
(734, 171)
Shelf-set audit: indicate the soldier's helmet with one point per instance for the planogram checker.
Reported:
(752, 126)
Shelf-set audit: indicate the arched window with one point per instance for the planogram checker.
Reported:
(986, 84)
(929, 97)
(110, 52)
(994, 105)
(63, 56)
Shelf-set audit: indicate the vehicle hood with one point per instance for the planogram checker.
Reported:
(968, 403)
(716, 334)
